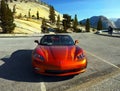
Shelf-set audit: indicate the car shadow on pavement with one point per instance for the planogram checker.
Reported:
(18, 68)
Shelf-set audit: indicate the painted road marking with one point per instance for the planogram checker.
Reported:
(103, 60)
(43, 88)
(1, 62)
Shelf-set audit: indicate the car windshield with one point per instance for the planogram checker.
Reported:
(56, 40)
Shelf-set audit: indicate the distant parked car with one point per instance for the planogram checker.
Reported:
(104, 31)
(101, 31)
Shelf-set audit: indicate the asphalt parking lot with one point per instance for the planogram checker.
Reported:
(103, 54)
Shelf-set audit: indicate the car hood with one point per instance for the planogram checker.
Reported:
(58, 53)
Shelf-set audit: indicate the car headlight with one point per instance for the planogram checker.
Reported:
(81, 56)
(38, 56)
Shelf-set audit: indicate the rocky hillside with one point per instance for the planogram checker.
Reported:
(24, 23)
(24, 7)
(105, 21)
(23, 0)
(117, 23)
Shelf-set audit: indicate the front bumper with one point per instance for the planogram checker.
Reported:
(62, 70)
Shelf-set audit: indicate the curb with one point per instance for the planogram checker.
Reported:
(20, 35)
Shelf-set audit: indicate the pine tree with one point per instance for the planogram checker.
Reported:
(75, 23)
(43, 22)
(64, 25)
(37, 15)
(7, 18)
(29, 14)
(52, 14)
(66, 21)
(43, 26)
(87, 26)
(58, 22)
(14, 9)
(99, 24)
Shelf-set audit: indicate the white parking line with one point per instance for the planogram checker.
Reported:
(43, 88)
(103, 60)
(1, 62)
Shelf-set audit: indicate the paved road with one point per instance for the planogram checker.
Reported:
(15, 64)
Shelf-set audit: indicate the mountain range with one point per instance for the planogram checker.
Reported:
(117, 23)
(106, 22)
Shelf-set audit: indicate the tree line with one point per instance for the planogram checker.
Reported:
(68, 22)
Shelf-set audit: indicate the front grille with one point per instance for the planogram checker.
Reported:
(62, 71)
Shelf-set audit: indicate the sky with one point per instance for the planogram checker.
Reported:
(87, 8)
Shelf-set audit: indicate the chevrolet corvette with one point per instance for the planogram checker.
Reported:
(58, 55)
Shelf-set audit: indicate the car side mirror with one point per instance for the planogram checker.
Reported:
(36, 41)
(76, 42)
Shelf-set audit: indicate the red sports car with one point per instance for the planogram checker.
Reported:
(58, 55)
